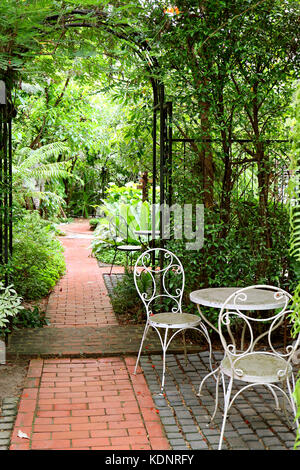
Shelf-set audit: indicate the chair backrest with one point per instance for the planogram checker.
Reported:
(119, 228)
(252, 320)
(159, 280)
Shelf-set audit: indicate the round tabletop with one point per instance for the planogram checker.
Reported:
(146, 232)
(257, 299)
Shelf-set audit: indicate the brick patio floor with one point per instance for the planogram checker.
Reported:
(80, 392)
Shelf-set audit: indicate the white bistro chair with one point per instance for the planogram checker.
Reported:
(250, 354)
(121, 235)
(158, 295)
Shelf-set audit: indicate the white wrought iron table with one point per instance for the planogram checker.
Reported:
(257, 299)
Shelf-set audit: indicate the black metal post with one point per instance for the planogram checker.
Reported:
(3, 145)
(154, 164)
(5, 179)
(10, 201)
(170, 145)
(162, 176)
(162, 159)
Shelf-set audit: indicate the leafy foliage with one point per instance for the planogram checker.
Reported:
(238, 260)
(295, 232)
(125, 299)
(10, 304)
(37, 262)
(29, 318)
(126, 202)
(32, 170)
(295, 181)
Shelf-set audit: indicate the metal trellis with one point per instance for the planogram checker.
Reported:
(5, 179)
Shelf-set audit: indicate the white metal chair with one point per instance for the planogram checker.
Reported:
(121, 235)
(250, 356)
(169, 274)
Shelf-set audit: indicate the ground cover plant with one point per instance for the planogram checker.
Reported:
(37, 261)
(126, 302)
(10, 304)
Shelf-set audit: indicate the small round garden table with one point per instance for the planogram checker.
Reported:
(148, 234)
(257, 299)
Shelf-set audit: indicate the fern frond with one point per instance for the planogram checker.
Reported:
(295, 232)
(41, 155)
(50, 171)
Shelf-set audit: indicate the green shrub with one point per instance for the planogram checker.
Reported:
(106, 255)
(29, 318)
(240, 258)
(26, 318)
(93, 223)
(127, 194)
(125, 201)
(125, 299)
(10, 304)
(37, 261)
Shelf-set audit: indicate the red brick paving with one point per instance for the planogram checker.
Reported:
(87, 404)
(80, 298)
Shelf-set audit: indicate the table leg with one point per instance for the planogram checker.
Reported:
(205, 319)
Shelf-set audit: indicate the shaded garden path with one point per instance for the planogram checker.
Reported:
(80, 298)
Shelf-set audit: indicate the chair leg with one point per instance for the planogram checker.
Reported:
(141, 346)
(292, 399)
(115, 254)
(226, 407)
(203, 330)
(164, 360)
(213, 372)
(277, 406)
(217, 396)
(184, 348)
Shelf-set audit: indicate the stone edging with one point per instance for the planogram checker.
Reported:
(8, 415)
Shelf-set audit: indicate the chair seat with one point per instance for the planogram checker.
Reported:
(129, 247)
(257, 368)
(174, 320)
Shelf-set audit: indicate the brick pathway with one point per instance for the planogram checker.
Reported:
(87, 404)
(83, 403)
(80, 297)
(82, 321)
